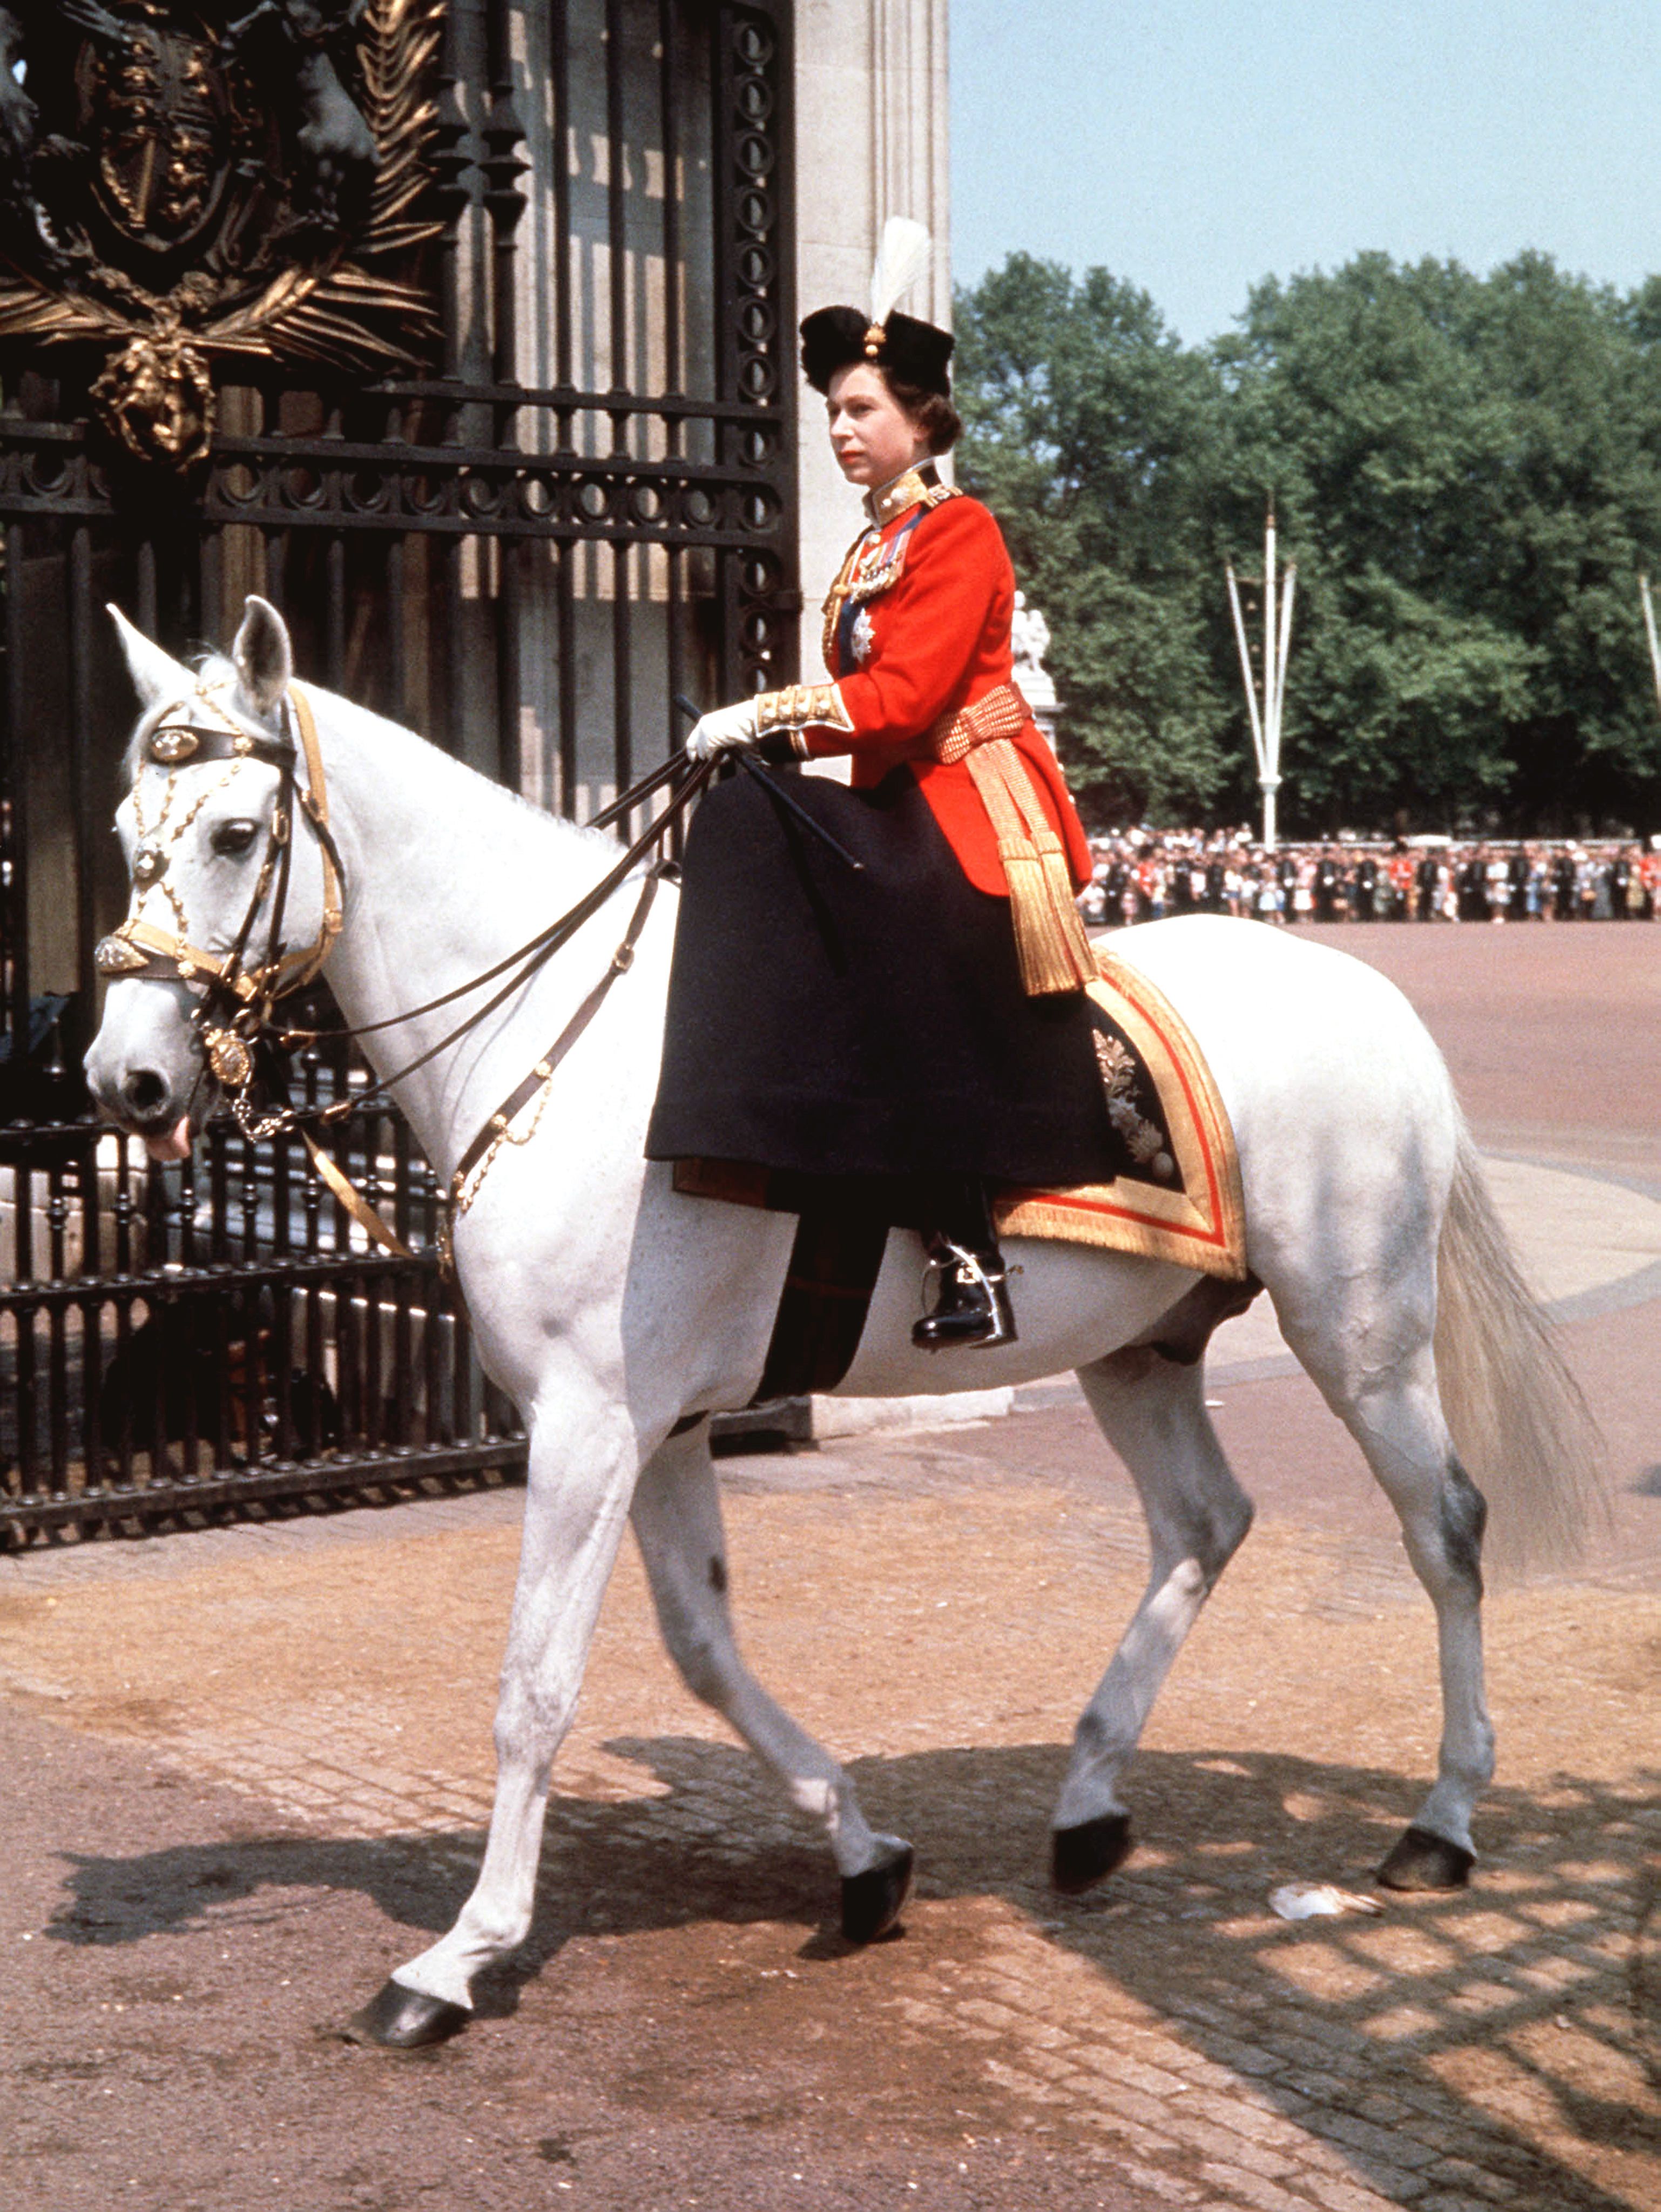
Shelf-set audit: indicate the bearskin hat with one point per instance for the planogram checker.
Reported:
(912, 352)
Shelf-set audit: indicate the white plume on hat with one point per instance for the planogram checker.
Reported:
(902, 260)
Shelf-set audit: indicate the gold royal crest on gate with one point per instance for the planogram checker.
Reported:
(183, 182)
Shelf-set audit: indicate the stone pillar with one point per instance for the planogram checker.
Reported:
(870, 142)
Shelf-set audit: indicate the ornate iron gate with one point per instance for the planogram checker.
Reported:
(526, 473)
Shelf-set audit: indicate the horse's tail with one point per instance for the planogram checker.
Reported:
(1519, 1424)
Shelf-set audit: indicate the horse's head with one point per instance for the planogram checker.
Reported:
(225, 881)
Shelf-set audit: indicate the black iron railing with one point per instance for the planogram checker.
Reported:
(585, 506)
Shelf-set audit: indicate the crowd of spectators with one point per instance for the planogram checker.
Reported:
(1142, 876)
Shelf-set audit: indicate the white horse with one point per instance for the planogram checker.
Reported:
(610, 1307)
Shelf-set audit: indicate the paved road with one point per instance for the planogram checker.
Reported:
(1551, 1030)
(247, 1771)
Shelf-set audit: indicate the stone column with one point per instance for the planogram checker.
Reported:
(870, 142)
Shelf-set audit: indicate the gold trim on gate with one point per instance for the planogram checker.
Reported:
(329, 303)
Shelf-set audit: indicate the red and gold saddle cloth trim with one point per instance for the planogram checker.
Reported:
(1201, 1222)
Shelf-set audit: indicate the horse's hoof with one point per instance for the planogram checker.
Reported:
(1081, 1857)
(1424, 1860)
(398, 2019)
(871, 1901)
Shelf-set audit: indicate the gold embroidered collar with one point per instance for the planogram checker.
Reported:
(904, 492)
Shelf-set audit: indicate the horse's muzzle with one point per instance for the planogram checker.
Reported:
(146, 1073)
(144, 1104)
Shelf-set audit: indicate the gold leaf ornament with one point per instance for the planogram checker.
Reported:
(157, 395)
(113, 956)
(332, 302)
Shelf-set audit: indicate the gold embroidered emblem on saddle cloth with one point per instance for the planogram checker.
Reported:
(1189, 1210)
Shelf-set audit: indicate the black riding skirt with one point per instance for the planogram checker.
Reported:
(870, 1023)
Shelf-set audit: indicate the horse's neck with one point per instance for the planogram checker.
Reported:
(446, 874)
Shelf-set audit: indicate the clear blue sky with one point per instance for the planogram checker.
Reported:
(1194, 146)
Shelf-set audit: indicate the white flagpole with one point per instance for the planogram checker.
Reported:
(1246, 677)
(1649, 628)
(1282, 654)
(1271, 778)
(1276, 651)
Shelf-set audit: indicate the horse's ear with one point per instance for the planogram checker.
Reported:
(264, 659)
(156, 675)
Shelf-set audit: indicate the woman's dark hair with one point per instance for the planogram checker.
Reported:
(936, 417)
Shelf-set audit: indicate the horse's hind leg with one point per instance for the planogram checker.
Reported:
(1151, 1408)
(677, 1520)
(1397, 1419)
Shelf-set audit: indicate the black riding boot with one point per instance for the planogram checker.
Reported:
(971, 1299)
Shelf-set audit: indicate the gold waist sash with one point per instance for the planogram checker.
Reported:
(1053, 950)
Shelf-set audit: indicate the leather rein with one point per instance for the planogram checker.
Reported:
(239, 999)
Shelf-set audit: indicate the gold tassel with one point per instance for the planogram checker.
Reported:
(1054, 952)
(1041, 971)
(1073, 950)
(1050, 945)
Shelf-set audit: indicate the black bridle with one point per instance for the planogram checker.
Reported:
(238, 995)
(238, 999)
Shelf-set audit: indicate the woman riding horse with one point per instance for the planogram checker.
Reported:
(919, 1023)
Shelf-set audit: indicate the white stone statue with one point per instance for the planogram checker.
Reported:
(1029, 636)
(1029, 641)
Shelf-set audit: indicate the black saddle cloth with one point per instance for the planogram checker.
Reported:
(869, 1024)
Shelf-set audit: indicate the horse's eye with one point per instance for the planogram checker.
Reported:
(234, 839)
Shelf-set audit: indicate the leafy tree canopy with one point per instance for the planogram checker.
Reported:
(1466, 470)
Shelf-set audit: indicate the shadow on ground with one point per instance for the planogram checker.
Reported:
(1511, 2018)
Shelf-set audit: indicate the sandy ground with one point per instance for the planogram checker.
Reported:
(247, 1771)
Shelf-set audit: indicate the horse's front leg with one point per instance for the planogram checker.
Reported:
(581, 1473)
(677, 1521)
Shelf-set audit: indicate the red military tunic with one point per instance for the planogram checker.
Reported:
(918, 628)
(884, 1023)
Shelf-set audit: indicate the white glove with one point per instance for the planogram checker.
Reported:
(724, 732)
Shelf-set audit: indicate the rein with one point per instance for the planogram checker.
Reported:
(238, 1000)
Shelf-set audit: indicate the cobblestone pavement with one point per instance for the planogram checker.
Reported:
(312, 1698)
(1483, 2048)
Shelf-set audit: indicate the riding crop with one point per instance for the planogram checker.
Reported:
(758, 769)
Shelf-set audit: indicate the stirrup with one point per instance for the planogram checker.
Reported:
(973, 1310)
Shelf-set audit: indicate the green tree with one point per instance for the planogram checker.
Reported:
(1467, 470)
(1091, 434)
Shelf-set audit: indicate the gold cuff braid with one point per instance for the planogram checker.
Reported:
(801, 707)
